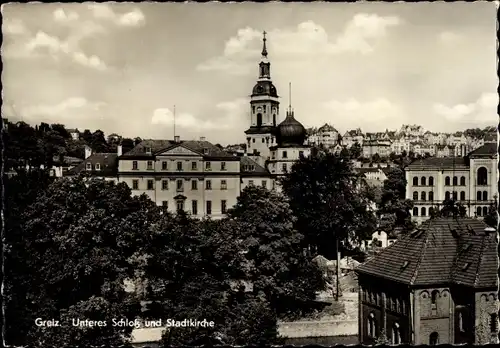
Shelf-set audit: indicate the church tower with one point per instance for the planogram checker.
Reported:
(264, 110)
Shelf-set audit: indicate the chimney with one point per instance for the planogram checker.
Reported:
(119, 150)
(177, 139)
(88, 151)
(202, 138)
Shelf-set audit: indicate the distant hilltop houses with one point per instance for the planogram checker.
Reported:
(408, 139)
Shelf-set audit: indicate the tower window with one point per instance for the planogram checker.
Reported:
(253, 109)
(274, 120)
(259, 120)
(285, 154)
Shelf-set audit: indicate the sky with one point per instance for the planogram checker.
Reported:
(121, 67)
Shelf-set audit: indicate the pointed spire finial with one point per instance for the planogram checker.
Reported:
(264, 48)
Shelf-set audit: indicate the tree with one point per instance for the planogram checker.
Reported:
(98, 142)
(450, 208)
(393, 199)
(79, 242)
(492, 218)
(127, 145)
(193, 270)
(278, 266)
(356, 150)
(331, 211)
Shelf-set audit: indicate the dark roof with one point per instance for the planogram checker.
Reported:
(158, 146)
(327, 128)
(261, 130)
(246, 164)
(367, 170)
(438, 163)
(108, 163)
(435, 254)
(488, 149)
(67, 160)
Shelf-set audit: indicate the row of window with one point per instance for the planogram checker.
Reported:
(180, 184)
(394, 304)
(480, 196)
(480, 211)
(180, 165)
(372, 329)
(482, 179)
(194, 206)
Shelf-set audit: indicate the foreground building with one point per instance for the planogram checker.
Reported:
(436, 285)
(471, 180)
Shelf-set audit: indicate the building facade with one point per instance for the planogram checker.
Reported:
(471, 180)
(199, 177)
(436, 285)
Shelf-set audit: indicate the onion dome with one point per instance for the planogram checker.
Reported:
(264, 88)
(291, 132)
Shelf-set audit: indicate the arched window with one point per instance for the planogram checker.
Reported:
(478, 196)
(423, 196)
(434, 296)
(478, 211)
(462, 181)
(482, 176)
(371, 325)
(493, 323)
(415, 196)
(462, 195)
(455, 196)
(455, 181)
(274, 120)
(433, 339)
(415, 211)
(431, 181)
(259, 119)
(485, 195)
(423, 211)
(447, 181)
(447, 195)
(431, 196)
(415, 181)
(485, 211)
(431, 211)
(461, 326)
(423, 181)
(396, 334)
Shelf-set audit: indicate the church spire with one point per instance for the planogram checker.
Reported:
(264, 48)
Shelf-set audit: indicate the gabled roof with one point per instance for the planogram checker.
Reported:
(326, 128)
(487, 150)
(435, 254)
(108, 164)
(438, 163)
(247, 164)
(164, 145)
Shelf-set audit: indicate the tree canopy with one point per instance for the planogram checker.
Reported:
(325, 195)
(76, 246)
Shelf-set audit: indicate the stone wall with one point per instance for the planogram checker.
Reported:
(320, 328)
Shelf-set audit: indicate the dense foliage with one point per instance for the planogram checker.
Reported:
(394, 208)
(325, 195)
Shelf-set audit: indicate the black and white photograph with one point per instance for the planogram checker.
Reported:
(275, 173)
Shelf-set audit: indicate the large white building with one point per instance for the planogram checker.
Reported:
(471, 180)
(197, 176)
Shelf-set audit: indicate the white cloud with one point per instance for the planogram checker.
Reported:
(165, 117)
(61, 16)
(62, 109)
(14, 27)
(483, 110)
(56, 47)
(308, 41)
(449, 37)
(371, 114)
(130, 19)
